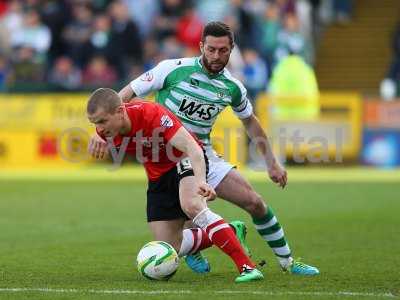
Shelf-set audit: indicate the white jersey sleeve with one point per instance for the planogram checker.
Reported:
(245, 109)
(152, 80)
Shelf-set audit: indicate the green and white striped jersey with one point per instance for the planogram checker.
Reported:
(193, 95)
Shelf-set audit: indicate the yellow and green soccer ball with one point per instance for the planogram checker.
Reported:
(157, 260)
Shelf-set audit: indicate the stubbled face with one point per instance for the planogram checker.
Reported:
(216, 52)
(107, 124)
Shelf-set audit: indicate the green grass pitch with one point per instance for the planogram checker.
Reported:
(79, 240)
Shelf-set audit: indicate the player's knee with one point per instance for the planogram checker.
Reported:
(255, 206)
(191, 209)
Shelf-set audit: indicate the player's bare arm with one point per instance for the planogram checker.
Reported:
(127, 93)
(184, 142)
(275, 171)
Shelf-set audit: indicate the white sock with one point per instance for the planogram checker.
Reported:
(187, 242)
(205, 218)
(285, 262)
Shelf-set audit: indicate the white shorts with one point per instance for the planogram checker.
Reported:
(218, 167)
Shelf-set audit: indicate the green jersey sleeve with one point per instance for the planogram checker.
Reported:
(240, 104)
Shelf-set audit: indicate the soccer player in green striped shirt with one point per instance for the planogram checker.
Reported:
(196, 90)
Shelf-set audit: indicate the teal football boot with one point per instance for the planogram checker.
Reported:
(299, 268)
(197, 263)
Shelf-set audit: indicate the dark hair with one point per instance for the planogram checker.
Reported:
(217, 29)
(104, 98)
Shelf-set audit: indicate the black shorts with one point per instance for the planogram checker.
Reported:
(163, 195)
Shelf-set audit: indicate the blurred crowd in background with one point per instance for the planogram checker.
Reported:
(390, 86)
(75, 45)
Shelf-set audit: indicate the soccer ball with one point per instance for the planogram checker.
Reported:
(157, 260)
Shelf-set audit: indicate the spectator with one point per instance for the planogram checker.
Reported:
(236, 62)
(134, 72)
(27, 68)
(143, 13)
(212, 10)
(13, 16)
(388, 89)
(389, 86)
(171, 48)
(325, 11)
(3, 7)
(99, 6)
(126, 42)
(189, 29)
(11, 21)
(151, 54)
(100, 38)
(33, 34)
(77, 32)
(255, 73)
(98, 73)
(133, 36)
(4, 73)
(255, 8)
(190, 52)
(4, 40)
(304, 15)
(64, 75)
(55, 14)
(246, 30)
(290, 40)
(170, 12)
(294, 90)
(271, 26)
(32, 4)
(394, 70)
(286, 7)
(343, 10)
(315, 11)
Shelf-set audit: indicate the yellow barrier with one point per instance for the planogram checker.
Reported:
(51, 130)
(337, 131)
(43, 112)
(39, 131)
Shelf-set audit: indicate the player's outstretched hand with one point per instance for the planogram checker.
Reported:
(97, 147)
(278, 174)
(207, 191)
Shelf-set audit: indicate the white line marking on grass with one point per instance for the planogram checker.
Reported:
(186, 292)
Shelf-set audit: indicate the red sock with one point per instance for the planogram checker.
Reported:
(222, 235)
(200, 240)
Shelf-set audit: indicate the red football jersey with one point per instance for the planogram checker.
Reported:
(150, 120)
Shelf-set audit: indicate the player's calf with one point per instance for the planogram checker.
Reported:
(222, 235)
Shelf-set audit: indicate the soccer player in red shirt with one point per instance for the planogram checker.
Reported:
(176, 168)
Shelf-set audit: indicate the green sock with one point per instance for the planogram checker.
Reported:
(271, 231)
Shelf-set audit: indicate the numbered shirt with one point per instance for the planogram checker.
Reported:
(194, 95)
(153, 126)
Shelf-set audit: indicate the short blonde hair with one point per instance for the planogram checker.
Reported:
(104, 98)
